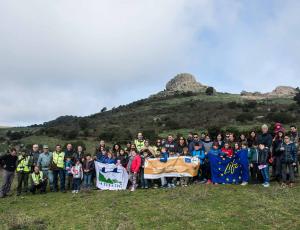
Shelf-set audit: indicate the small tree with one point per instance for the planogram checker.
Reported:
(104, 109)
(210, 91)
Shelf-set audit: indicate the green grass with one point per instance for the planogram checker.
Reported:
(194, 207)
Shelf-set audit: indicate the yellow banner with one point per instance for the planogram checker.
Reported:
(174, 167)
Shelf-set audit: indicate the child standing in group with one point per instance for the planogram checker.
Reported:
(88, 170)
(227, 150)
(69, 176)
(263, 156)
(184, 181)
(134, 169)
(243, 159)
(77, 173)
(144, 157)
(173, 180)
(256, 176)
(289, 160)
(200, 153)
(165, 181)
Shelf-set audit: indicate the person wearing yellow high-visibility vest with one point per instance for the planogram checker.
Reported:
(57, 167)
(23, 170)
(38, 181)
(139, 142)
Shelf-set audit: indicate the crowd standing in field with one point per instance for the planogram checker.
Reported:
(73, 169)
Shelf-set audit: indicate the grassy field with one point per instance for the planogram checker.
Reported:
(194, 207)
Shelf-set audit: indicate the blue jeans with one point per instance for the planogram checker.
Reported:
(87, 180)
(61, 174)
(265, 174)
(144, 182)
(49, 174)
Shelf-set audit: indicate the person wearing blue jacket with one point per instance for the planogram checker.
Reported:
(164, 159)
(200, 154)
(214, 151)
(109, 159)
(242, 156)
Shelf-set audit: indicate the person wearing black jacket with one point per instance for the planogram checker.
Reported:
(277, 144)
(9, 162)
(288, 159)
(263, 156)
(181, 145)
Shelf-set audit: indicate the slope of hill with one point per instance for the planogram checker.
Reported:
(174, 110)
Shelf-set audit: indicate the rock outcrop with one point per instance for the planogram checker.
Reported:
(182, 83)
(185, 82)
(280, 91)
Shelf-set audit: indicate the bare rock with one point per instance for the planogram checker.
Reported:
(185, 82)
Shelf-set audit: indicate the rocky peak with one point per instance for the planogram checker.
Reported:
(182, 83)
(283, 91)
(185, 82)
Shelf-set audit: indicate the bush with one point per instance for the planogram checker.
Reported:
(251, 104)
(69, 135)
(297, 98)
(244, 117)
(150, 134)
(83, 124)
(233, 105)
(210, 91)
(281, 117)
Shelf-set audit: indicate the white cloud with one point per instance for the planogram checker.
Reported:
(74, 57)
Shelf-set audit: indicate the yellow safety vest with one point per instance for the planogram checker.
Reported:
(58, 159)
(139, 144)
(37, 177)
(23, 165)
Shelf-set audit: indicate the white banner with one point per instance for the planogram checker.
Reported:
(111, 177)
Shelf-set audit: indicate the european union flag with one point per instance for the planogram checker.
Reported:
(226, 170)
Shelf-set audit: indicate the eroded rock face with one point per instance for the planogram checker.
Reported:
(185, 82)
(282, 91)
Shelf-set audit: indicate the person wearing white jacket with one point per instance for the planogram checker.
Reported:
(77, 173)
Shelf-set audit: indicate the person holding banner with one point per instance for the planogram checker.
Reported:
(200, 154)
(184, 181)
(213, 154)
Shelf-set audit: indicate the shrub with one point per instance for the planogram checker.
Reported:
(83, 124)
(210, 91)
(297, 98)
(281, 117)
(244, 117)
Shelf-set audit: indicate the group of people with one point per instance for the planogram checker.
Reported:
(75, 169)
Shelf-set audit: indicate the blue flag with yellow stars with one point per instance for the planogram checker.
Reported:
(226, 170)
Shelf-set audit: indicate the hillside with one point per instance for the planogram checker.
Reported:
(183, 106)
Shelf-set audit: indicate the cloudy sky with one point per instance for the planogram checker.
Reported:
(73, 57)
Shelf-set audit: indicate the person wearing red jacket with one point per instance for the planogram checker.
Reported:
(134, 169)
(227, 150)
